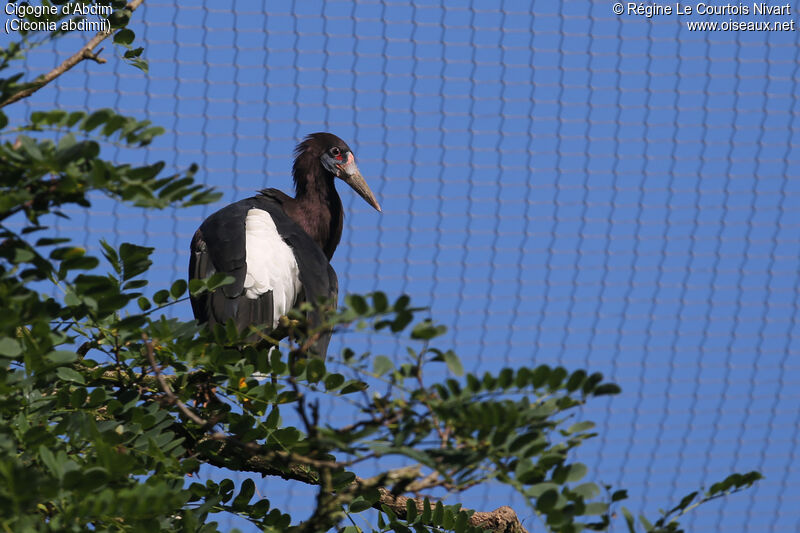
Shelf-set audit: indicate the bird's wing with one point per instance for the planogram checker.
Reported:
(219, 245)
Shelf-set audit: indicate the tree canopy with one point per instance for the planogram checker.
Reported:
(109, 407)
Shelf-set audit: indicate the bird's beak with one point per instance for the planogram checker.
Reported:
(352, 176)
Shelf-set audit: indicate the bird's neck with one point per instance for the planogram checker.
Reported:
(320, 211)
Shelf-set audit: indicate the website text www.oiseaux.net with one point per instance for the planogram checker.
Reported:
(740, 25)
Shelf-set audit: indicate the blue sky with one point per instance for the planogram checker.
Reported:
(559, 184)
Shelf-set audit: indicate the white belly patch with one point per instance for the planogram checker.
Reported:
(271, 265)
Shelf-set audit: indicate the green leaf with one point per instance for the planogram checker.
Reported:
(142, 65)
(382, 364)
(196, 286)
(315, 370)
(78, 263)
(579, 427)
(97, 397)
(461, 522)
(259, 509)
(343, 479)
(333, 381)
(379, 302)
(353, 386)
(402, 320)
(144, 303)
(359, 504)
(540, 376)
(427, 513)
(535, 491)
(273, 418)
(685, 502)
(78, 397)
(30, 147)
(218, 279)
(133, 53)
(556, 377)
(61, 357)
(161, 297)
(629, 521)
(426, 330)
(111, 256)
(402, 303)
(411, 510)
(449, 520)
(547, 501)
(576, 380)
(619, 495)
(287, 396)
(93, 478)
(22, 255)
(587, 491)
(357, 303)
(245, 495)
(134, 284)
(10, 347)
(607, 388)
(95, 119)
(505, 378)
(135, 260)
(438, 514)
(49, 459)
(178, 288)
(68, 374)
(453, 363)
(124, 36)
(595, 508)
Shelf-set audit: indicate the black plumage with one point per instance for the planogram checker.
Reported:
(310, 224)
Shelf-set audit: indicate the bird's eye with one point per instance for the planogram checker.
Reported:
(335, 151)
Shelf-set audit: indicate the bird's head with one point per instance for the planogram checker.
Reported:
(337, 158)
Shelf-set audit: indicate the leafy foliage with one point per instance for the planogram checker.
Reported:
(108, 407)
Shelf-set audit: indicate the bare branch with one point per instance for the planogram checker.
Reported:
(86, 52)
(171, 398)
(95, 56)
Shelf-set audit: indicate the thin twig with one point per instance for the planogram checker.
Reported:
(443, 432)
(171, 398)
(86, 52)
(311, 429)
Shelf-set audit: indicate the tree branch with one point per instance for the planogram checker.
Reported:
(171, 398)
(234, 455)
(249, 456)
(86, 52)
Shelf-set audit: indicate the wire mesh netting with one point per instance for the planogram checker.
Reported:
(560, 185)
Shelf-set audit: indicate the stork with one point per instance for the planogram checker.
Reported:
(278, 248)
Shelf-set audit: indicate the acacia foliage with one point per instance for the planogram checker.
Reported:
(108, 408)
